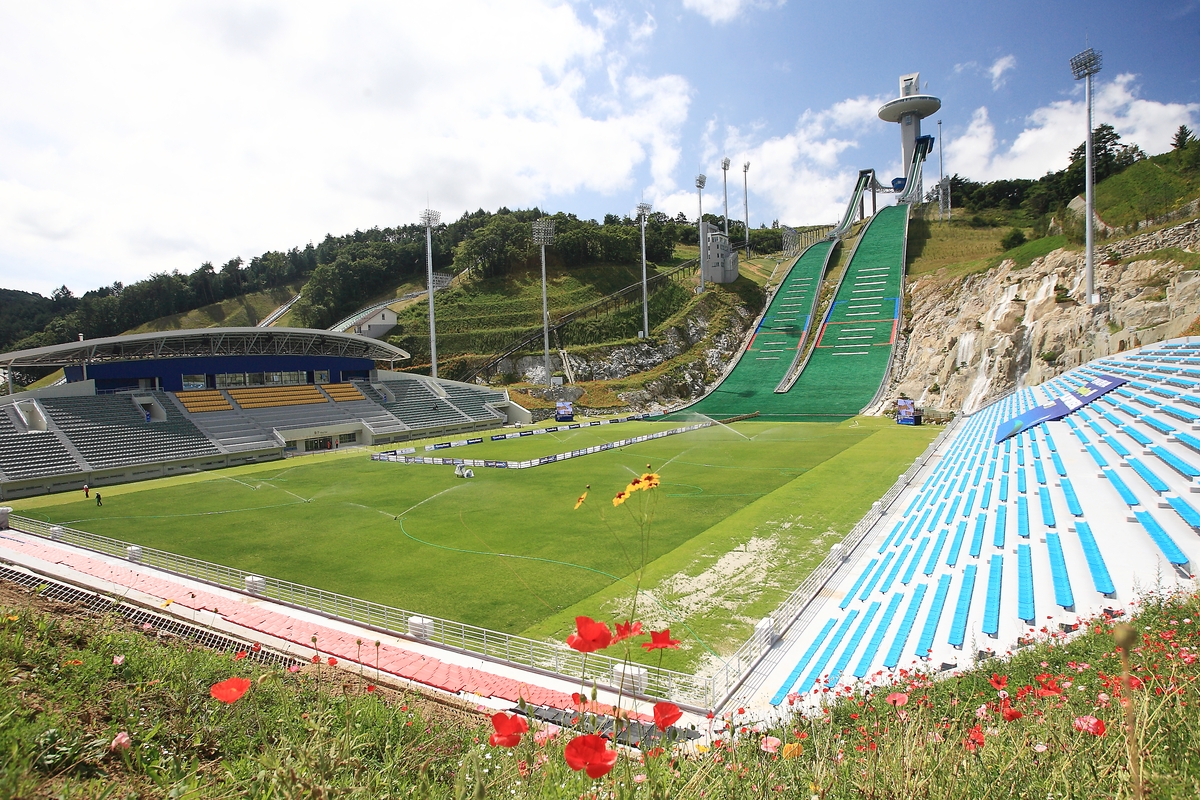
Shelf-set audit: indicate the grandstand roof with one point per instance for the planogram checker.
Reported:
(206, 342)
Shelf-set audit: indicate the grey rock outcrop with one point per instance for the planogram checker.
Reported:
(977, 337)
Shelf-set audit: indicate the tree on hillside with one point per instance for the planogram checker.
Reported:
(1109, 155)
(1182, 137)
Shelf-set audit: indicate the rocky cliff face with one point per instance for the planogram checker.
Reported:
(977, 337)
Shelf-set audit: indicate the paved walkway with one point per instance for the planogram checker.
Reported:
(488, 684)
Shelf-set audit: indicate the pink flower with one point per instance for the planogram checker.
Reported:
(981, 712)
(545, 734)
(118, 660)
(1089, 724)
(1103, 699)
(770, 744)
(294, 668)
(1039, 747)
(897, 699)
(121, 742)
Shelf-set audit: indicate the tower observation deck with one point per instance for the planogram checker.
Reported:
(908, 110)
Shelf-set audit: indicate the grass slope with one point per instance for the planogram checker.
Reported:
(312, 521)
(1147, 189)
(792, 528)
(244, 311)
(320, 733)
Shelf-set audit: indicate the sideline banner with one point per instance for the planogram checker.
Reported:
(1059, 407)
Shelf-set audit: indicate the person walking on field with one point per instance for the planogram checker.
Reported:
(99, 502)
(85, 491)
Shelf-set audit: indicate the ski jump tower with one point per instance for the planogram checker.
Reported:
(909, 109)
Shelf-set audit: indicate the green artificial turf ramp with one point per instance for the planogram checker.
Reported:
(856, 338)
(751, 385)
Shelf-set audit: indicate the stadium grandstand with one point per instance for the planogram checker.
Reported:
(1056, 503)
(146, 405)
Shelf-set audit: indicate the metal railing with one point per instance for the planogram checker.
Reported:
(551, 658)
(546, 657)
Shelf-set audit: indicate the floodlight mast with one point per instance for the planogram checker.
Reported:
(429, 218)
(1083, 67)
(746, 202)
(543, 234)
(700, 181)
(725, 188)
(643, 211)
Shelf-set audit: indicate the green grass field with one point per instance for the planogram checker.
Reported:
(508, 551)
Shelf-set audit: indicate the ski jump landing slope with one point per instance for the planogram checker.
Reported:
(853, 349)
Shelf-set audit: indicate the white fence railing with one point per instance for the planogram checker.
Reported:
(551, 658)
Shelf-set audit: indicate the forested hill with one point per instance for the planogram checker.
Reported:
(343, 272)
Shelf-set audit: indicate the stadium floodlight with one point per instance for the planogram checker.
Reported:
(429, 218)
(725, 188)
(700, 181)
(1083, 66)
(543, 234)
(643, 211)
(746, 202)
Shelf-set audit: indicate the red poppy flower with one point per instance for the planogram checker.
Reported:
(332, 661)
(240, 655)
(590, 635)
(974, 740)
(256, 647)
(1090, 724)
(661, 640)
(590, 752)
(1009, 713)
(508, 730)
(999, 682)
(316, 659)
(897, 699)
(230, 690)
(666, 715)
(370, 687)
(627, 630)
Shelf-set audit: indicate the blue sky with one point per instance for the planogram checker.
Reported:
(144, 137)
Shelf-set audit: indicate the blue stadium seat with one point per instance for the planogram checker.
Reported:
(1004, 488)
(991, 469)
(1039, 472)
(956, 544)
(791, 679)
(1063, 595)
(1161, 538)
(818, 666)
(1006, 458)
(1021, 487)
(1117, 447)
(1047, 507)
(1072, 500)
(936, 516)
(991, 611)
(978, 476)
(1128, 496)
(936, 553)
(1145, 473)
(855, 640)
(1157, 424)
(969, 504)
(870, 587)
(962, 609)
(1001, 523)
(986, 499)
(887, 540)
(920, 496)
(1096, 565)
(1059, 469)
(1095, 454)
(857, 584)
(1189, 441)
(1050, 443)
(1180, 414)
(1175, 462)
(906, 624)
(1025, 607)
(906, 579)
(1022, 517)
(1185, 511)
(886, 586)
(977, 536)
(868, 656)
(953, 508)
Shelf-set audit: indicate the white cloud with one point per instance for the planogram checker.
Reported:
(799, 177)
(718, 11)
(157, 137)
(999, 67)
(1052, 131)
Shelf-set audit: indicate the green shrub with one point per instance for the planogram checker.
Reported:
(1014, 238)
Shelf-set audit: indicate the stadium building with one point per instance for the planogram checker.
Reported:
(146, 405)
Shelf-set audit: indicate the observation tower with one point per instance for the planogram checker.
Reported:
(909, 109)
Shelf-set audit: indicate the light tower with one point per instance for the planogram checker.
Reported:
(1083, 67)
(543, 234)
(700, 181)
(746, 202)
(643, 211)
(725, 187)
(429, 218)
(909, 109)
